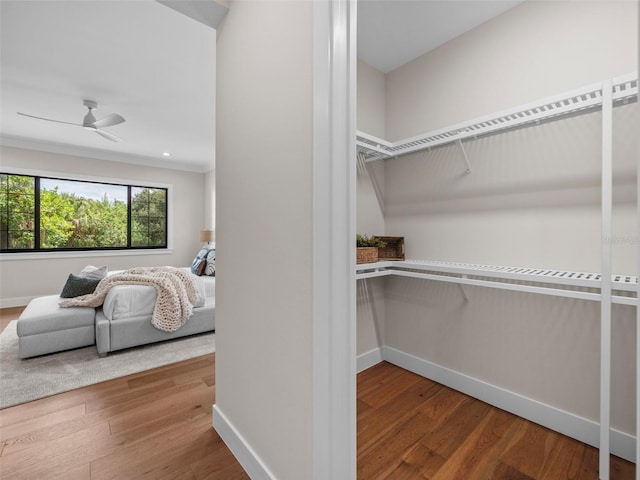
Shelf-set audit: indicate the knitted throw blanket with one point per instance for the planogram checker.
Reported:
(175, 287)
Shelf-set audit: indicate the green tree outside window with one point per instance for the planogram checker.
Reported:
(79, 215)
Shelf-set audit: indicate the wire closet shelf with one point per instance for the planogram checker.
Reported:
(582, 100)
(533, 280)
(605, 287)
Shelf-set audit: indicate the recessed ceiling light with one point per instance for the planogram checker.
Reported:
(166, 154)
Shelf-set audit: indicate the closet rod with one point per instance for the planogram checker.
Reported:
(378, 273)
(557, 292)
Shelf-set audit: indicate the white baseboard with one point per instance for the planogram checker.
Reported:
(368, 359)
(582, 429)
(15, 302)
(246, 456)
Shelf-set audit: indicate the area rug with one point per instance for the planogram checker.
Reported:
(32, 378)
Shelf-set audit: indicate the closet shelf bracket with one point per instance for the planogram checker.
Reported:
(463, 292)
(464, 154)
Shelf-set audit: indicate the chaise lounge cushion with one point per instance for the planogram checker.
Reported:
(44, 327)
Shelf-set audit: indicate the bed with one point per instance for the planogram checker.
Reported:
(124, 319)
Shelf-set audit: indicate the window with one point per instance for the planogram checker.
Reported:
(148, 216)
(52, 214)
(18, 212)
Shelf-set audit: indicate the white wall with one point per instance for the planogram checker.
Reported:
(532, 51)
(25, 278)
(371, 118)
(264, 232)
(370, 181)
(532, 199)
(210, 200)
(540, 347)
(372, 97)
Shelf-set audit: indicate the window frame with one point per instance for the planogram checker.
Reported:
(95, 251)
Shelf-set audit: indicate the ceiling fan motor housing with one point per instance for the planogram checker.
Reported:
(89, 119)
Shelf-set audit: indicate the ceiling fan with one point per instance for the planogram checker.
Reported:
(89, 122)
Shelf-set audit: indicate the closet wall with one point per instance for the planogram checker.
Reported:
(532, 199)
(371, 113)
(370, 183)
(532, 51)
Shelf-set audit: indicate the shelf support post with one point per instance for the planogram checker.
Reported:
(638, 324)
(605, 301)
(464, 154)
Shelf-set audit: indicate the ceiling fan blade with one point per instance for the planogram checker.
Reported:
(107, 135)
(48, 119)
(109, 120)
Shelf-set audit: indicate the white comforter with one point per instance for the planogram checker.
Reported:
(128, 301)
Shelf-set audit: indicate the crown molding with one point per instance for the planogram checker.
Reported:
(65, 149)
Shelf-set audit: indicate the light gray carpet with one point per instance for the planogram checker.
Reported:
(32, 378)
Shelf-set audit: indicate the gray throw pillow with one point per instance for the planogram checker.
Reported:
(77, 286)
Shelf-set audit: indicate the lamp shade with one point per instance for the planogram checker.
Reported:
(206, 235)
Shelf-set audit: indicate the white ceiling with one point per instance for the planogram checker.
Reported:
(394, 32)
(154, 66)
(141, 59)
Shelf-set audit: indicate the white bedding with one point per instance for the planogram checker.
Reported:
(127, 301)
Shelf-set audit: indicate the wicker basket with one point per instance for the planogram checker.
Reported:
(393, 250)
(366, 254)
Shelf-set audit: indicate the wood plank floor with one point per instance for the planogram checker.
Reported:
(154, 424)
(8, 314)
(157, 425)
(150, 425)
(414, 429)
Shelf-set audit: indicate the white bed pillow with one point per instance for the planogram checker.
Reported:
(94, 273)
(206, 288)
(209, 286)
